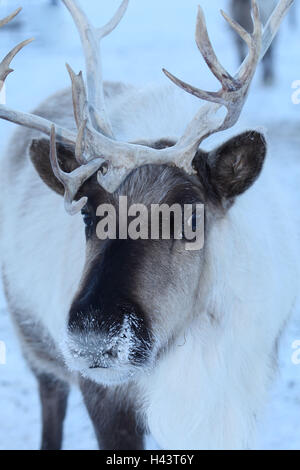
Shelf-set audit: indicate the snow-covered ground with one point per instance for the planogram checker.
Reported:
(154, 34)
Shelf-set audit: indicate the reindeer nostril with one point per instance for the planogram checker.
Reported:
(107, 359)
(120, 341)
(111, 353)
(98, 366)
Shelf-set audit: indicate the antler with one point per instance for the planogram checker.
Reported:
(5, 69)
(235, 89)
(122, 158)
(74, 180)
(90, 38)
(232, 95)
(95, 143)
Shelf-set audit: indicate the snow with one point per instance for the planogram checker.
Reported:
(152, 35)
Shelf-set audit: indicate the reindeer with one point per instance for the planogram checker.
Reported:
(241, 12)
(180, 344)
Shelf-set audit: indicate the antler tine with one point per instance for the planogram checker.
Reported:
(10, 17)
(247, 69)
(245, 36)
(79, 96)
(273, 24)
(207, 51)
(81, 114)
(5, 69)
(28, 120)
(36, 122)
(114, 22)
(66, 179)
(89, 40)
(73, 181)
(212, 96)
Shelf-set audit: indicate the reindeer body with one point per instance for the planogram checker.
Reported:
(162, 339)
(208, 388)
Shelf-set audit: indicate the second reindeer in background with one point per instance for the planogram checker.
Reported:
(241, 12)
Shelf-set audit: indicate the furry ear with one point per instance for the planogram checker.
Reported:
(40, 156)
(232, 168)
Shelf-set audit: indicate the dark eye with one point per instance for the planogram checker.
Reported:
(87, 219)
(192, 224)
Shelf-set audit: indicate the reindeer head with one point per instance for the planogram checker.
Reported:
(136, 296)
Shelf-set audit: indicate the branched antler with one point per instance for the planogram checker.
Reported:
(235, 89)
(94, 142)
(73, 181)
(5, 69)
(90, 39)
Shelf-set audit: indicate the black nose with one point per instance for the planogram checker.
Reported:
(108, 335)
(102, 316)
(94, 353)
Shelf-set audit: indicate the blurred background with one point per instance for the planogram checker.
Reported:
(153, 34)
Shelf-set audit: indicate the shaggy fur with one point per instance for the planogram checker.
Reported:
(214, 315)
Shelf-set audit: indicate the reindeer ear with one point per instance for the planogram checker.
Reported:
(40, 156)
(231, 169)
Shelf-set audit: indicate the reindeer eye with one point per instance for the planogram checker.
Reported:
(87, 219)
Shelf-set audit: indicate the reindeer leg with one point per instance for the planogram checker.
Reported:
(40, 353)
(268, 64)
(54, 396)
(114, 419)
